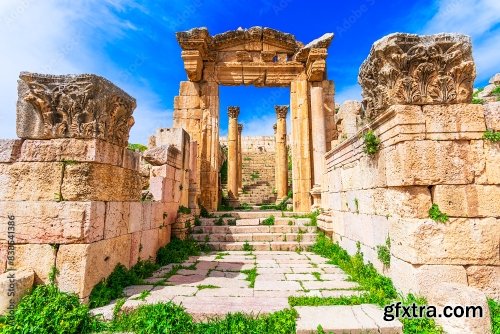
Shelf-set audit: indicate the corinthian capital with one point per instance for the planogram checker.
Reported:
(233, 111)
(281, 111)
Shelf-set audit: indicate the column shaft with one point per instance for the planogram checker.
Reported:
(281, 153)
(318, 132)
(240, 158)
(232, 153)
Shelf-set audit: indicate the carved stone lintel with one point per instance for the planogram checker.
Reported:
(316, 64)
(233, 111)
(419, 70)
(281, 111)
(240, 128)
(267, 56)
(193, 64)
(73, 106)
(243, 56)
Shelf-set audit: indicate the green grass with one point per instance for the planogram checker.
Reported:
(137, 147)
(221, 255)
(251, 276)
(207, 286)
(495, 315)
(313, 216)
(244, 207)
(247, 247)
(418, 325)
(436, 214)
(268, 221)
(317, 276)
(143, 295)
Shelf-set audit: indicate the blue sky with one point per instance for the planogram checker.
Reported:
(132, 43)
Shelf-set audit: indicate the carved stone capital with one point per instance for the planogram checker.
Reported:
(193, 64)
(240, 128)
(316, 64)
(418, 70)
(73, 106)
(281, 111)
(233, 111)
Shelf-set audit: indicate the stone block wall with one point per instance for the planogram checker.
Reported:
(428, 155)
(75, 202)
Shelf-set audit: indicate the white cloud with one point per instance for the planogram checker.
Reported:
(478, 19)
(348, 93)
(57, 37)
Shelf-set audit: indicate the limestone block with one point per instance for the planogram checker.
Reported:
(146, 215)
(157, 211)
(149, 244)
(162, 189)
(492, 115)
(164, 235)
(189, 88)
(417, 279)
(408, 202)
(135, 246)
(98, 182)
(38, 258)
(458, 241)
(88, 106)
(495, 79)
(13, 286)
(81, 266)
(135, 217)
(10, 149)
(35, 181)
(454, 294)
(54, 222)
(117, 219)
(131, 159)
(468, 200)
(485, 278)
(428, 162)
(186, 102)
(492, 161)
(162, 155)
(454, 121)
(372, 171)
(71, 149)
(166, 171)
(3, 256)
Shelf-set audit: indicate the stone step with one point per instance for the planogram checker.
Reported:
(260, 246)
(365, 318)
(258, 214)
(256, 237)
(253, 229)
(255, 221)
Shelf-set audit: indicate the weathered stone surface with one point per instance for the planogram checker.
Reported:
(162, 155)
(347, 119)
(39, 258)
(81, 266)
(492, 115)
(468, 200)
(81, 106)
(13, 286)
(54, 222)
(495, 79)
(455, 121)
(98, 182)
(117, 220)
(10, 149)
(421, 241)
(413, 69)
(485, 278)
(452, 294)
(71, 149)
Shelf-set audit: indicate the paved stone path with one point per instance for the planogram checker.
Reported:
(214, 284)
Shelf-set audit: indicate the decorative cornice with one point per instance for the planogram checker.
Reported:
(281, 111)
(233, 111)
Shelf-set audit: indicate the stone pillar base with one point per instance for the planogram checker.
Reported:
(316, 195)
(233, 202)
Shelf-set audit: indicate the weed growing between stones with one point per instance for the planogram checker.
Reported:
(207, 286)
(231, 222)
(371, 143)
(251, 276)
(247, 247)
(268, 221)
(137, 147)
(183, 210)
(436, 214)
(313, 216)
(495, 315)
(221, 255)
(317, 276)
(492, 135)
(143, 295)
(219, 222)
(384, 252)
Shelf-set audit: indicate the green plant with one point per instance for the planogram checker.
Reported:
(317, 276)
(207, 286)
(143, 295)
(247, 247)
(231, 222)
(268, 221)
(356, 205)
(251, 276)
(53, 274)
(290, 223)
(219, 222)
(204, 212)
(418, 325)
(384, 252)
(221, 255)
(197, 221)
(247, 159)
(177, 251)
(48, 310)
(255, 175)
(245, 207)
(475, 98)
(183, 210)
(137, 147)
(492, 135)
(313, 217)
(436, 214)
(494, 306)
(371, 143)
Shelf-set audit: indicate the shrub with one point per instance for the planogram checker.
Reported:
(492, 135)
(384, 252)
(177, 251)
(436, 214)
(495, 315)
(137, 147)
(247, 247)
(268, 221)
(183, 210)
(48, 310)
(371, 143)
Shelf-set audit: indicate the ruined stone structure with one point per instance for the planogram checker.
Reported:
(281, 154)
(72, 188)
(266, 58)
(417, 92)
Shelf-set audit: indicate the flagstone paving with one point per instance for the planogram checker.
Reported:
(216, 284)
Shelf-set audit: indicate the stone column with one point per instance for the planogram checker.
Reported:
(275, 126)
(318, 140)
(301, 144)
(281, 153)
(232, 155)
(240, 159)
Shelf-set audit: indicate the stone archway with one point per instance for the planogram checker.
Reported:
(262, 57)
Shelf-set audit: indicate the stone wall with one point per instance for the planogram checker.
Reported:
(255, 144)
(73, 189)
(429, 153)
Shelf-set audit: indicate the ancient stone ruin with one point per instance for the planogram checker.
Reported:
(408, 170)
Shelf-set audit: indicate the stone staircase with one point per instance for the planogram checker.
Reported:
(245, 231)
(258, 178)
